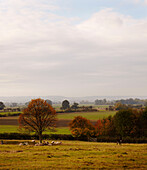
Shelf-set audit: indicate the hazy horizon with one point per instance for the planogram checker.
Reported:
(73, 48)
(24, 99)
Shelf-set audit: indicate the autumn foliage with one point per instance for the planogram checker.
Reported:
(125, 123)
(37, 117)
(81, 127)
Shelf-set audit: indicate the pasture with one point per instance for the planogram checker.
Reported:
(73, 155)
(69, 116)
(88, 115)
(63, 119)
(10, 124)
(15, 129)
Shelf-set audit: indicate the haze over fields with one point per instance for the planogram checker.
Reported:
(73, 48)
(24, 99)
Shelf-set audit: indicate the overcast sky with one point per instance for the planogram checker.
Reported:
(73, 47)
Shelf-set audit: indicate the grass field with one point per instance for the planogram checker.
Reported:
(14, 129)
(73, 155)
(9, 113)
(10, 124)
(70, 116)
(87, 115)
(8, 129)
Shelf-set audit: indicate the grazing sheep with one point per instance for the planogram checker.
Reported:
(52, 142)
(22, 144)
(39, 144)
(56, 143)
(48, 144)
(26, 143)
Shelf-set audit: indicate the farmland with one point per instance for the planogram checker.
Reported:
(73, 155)
(88, 115)
(10, 124)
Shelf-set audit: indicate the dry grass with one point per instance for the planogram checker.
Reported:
(74, 155)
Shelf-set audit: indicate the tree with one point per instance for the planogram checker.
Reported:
(124, 121)
(74, 106)
(37, 117)
(81, 127)
(65, 104)
(120, 106)
(49, 102)
(100, 102)
(2, 105)
(144, 122)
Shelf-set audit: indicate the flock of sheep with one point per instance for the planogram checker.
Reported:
(41, 144)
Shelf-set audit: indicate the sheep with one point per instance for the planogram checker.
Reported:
(48, 144)
(26, 143)
(52, 142)
(22, 144)
(56, 143)
(39, 144)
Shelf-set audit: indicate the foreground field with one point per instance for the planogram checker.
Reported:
(74, 155)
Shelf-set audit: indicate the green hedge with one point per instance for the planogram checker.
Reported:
(22, 136)
(124, 140)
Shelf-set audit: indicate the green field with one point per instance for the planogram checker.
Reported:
(9, 113)
(73, 155)
(14, 129)
(8, 129)
(87, 115)
(94, 116)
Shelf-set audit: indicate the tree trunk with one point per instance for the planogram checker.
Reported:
(40, 137)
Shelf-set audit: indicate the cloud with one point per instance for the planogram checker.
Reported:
(49, 54)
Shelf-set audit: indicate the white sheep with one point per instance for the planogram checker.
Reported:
(56, 143)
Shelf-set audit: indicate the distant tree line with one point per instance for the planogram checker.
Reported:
(75, 107)
(122, 101)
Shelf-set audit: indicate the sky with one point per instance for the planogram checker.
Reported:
(73, 48)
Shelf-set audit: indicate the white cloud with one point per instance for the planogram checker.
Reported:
(54, 56)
